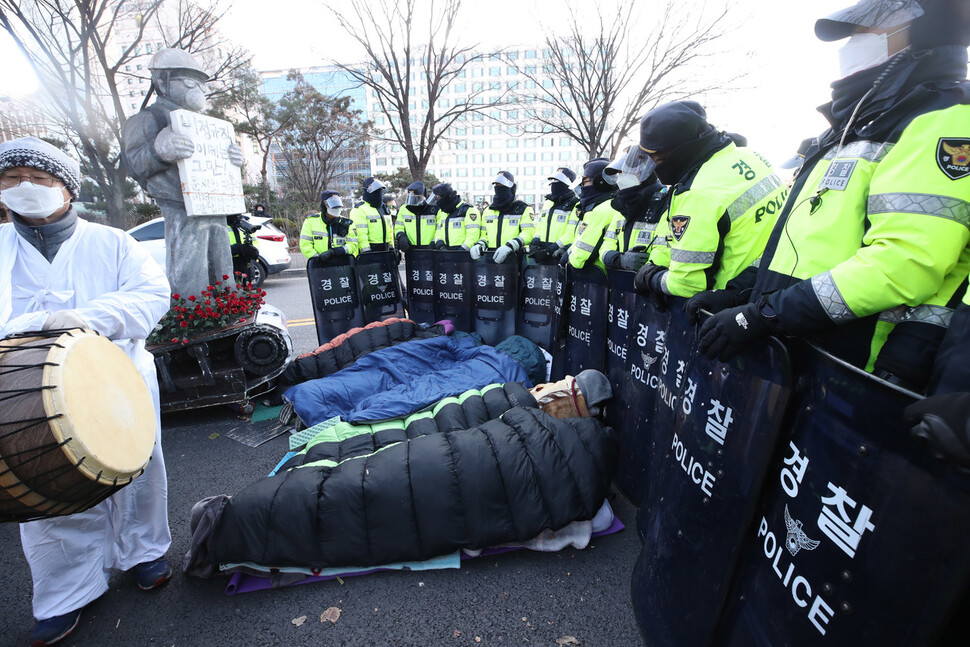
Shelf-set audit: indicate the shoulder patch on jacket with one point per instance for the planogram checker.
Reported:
(473, 217)
(678, 225)
(953, 157)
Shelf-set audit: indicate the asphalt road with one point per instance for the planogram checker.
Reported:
(518, 598)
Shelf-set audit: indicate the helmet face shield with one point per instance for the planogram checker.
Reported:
(376, 185)
(415, 199)
(559, 176)
(636, 162)
(334, 205)
(504, 181)
(870, 14)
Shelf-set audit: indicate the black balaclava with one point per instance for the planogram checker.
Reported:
(634, 202)
(559, 191)
(600, 190)
(687, 157)
(375, 198)
(502, 195)
(448, 198)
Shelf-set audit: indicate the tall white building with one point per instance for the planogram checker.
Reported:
(479, 145)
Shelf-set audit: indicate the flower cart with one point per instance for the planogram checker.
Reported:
(221, 347)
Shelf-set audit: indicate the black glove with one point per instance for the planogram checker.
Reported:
(403, 243)
(631, 261)
(648, 282)
(327, 255)
(728, 332)
(941, 420)
(439, 244)
(562, 256)
(713, 301)
(244, 251)
(539, 252)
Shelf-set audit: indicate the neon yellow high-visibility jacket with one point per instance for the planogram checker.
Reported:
(875, 232)
(373, 227)
(514, 221)
(718, 221)
(461, 228)
(316, 237)
(590, 234)
(420, 226)
(557, 221)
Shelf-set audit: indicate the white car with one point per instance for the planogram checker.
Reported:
(274, 255)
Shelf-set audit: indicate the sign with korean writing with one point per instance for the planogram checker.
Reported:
(419, 270)
(496, 299)
(333, 293)
(380, 286)
(584, 329)
(211, 184)
(537, 302)
(454, 294)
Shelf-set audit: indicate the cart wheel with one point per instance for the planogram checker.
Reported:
(247, 407)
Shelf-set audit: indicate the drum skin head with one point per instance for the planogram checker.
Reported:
(107, 410)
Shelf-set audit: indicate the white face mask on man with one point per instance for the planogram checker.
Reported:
(864, 51)
(33, 200)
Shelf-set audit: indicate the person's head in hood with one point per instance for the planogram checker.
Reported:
(595, 188)
(374, 192)
(416, 197)
(179, 77)
(259, 211)
(390, 202)
(38, 182)
(561, 184)
(503, 190)
(444, 197)
(877, 30)
(678, 139)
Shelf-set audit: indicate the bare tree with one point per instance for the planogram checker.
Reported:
(401, 57)
(320, 135)
(606, 73)
(79, 50)
(254, 114)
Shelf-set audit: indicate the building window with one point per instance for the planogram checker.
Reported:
(462, 172)
(530, 53)
(547, 157)
(478, 158)
(461, 159)
(495, 71)
(529, 157)
(478, 130)
(478, 171)
(459, 87)
(495, 157)
(511, 143)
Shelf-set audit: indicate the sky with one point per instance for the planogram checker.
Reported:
(788, 71)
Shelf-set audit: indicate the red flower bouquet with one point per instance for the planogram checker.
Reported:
(220, 306)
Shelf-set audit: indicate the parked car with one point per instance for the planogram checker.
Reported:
(274, 255)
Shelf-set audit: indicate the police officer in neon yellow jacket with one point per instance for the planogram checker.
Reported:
(875, 231)
(639, 201)
(555, 227)
(372, 218)
(722, 203)
(507, 223)
(596, 214)
(327, 234)
(459, 224)
(416, 223)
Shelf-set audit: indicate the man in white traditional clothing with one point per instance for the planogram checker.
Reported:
(58, 271)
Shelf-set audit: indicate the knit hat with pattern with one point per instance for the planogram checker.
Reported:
(34, 153)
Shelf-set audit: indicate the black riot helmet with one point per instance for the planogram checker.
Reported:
(416, 194)
(593, 170)
(445, 197)
(932, 23)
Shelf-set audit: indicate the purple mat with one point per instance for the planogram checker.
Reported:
(247, 583)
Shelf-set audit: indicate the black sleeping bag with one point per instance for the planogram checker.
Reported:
(506, 480)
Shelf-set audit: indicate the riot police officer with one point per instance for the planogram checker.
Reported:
(556, 225)
(416, 221)
(638, 203)
(722, 202)
(372, 218)
(507, 223)
(459, 223)
(327, 234)
(244, 251)
(596, 214)
(876, 229)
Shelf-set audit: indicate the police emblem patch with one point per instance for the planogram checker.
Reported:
(953, 157)
(473, 216)
(678, 225)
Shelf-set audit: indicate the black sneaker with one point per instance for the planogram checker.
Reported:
(54, 630)
(153, 574)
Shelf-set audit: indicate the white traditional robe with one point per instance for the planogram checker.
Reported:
(115, 286)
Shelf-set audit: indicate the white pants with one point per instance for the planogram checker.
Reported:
(70, 557)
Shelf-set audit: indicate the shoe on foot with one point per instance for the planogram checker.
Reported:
(153, 574)
(54, 630)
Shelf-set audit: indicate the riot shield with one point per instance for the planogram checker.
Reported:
(380, 286)
(333, 293)
(583, 323)
(454, 295)
(713, 431)
(536, 315)
(627, 413)
(419, 264)
(860, 536)
(496, 295)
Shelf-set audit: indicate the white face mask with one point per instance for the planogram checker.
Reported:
(864, 51)
(33, 200)
(626, 180)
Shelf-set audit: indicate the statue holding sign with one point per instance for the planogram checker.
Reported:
(190, 164)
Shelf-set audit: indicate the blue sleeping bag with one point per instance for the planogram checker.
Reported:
(397, 381)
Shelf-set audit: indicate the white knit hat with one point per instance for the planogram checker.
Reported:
(34, 153)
